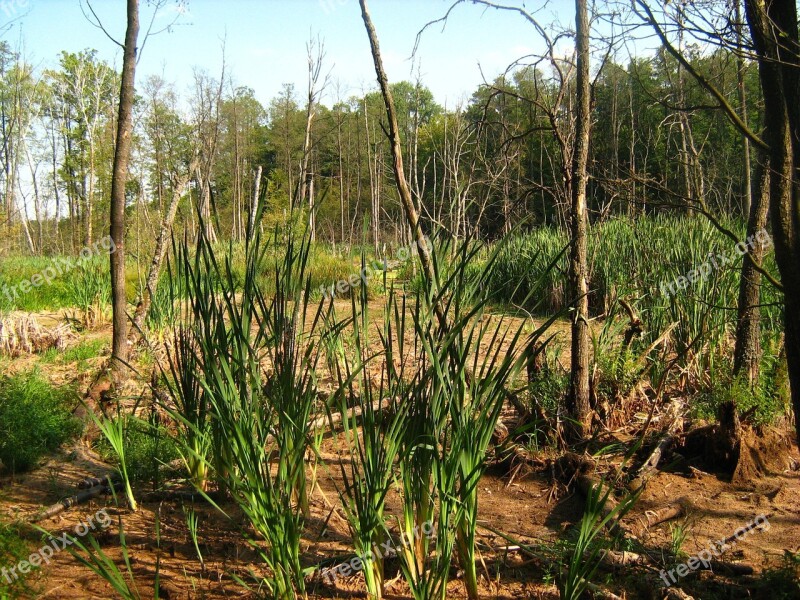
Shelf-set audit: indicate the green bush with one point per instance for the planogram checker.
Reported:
(35, 418)
(766, 401)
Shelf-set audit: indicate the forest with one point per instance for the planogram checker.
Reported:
(539, 343)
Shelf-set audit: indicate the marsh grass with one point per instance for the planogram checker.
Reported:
(631, 259)
(35, 418)
(245, 373)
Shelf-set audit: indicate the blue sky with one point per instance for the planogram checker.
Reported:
(265, 40)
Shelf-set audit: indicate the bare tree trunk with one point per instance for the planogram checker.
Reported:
(747, 351)
(251, 222)
(397, 152)
(578, 401)
(37, 203)
(122, 151)
(306, 177)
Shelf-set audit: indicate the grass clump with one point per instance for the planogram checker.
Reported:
(35, 418)
(79, 353)
(13, 549)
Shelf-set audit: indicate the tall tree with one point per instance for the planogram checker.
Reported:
(122, 152)
(578, 398)
(773, 27)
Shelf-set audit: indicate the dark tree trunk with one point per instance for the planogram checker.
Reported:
(578, 400)
(122, 152)
(747, 352)
(773, 27)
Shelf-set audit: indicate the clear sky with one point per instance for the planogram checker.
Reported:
(265, 40)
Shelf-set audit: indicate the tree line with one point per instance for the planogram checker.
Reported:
(475, 169)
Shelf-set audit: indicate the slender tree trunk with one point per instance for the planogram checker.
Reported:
(122, 151)
(397, 153)
(747, 351)
(251, 222)
(748, 191)
(578, 401)
(160, 252)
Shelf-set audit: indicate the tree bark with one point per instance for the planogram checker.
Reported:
(578, 400)
(122, 152)
(742, 93)
(747, 350)
(774, 29)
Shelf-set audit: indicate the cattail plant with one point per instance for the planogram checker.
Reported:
(467, 361)
(256, 363)
(370, 471)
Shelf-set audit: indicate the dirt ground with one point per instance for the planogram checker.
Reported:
(529, 508)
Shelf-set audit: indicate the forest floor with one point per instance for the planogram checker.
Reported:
(528, 507)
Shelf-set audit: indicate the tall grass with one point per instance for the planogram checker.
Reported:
(585, 557)
(465, 360)
(369, 472)
(632, 259)
(252, 383)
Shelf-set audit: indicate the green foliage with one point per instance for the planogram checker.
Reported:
(79, 353)
(632, 259)
(783, 582)
(368, 473)
(35, 418)
(88, 286)
(258, 421)
(462, 361)
(767, 400)
(13, 549)
(678, 533)
(115, 430)
(88, 552)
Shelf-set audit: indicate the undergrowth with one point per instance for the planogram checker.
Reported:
(35, 418)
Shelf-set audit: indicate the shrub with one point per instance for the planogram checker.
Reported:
(35, 418)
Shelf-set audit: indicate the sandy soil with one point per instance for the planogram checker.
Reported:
(531, 509)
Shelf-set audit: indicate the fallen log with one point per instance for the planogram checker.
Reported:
(90, 482)
(79, 498)
(652, 518)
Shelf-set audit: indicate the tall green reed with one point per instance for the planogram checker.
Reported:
(255, 375)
